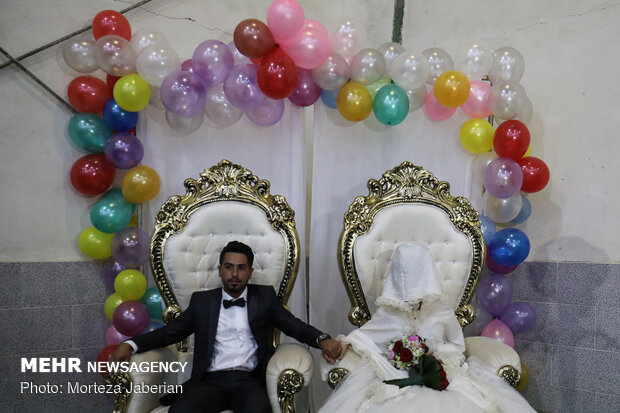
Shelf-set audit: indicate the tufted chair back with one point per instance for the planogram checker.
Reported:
(409, 204)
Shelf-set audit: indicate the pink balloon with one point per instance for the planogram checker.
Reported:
(498, 331)
(309, 48)
(112, 336)
(285, 18)
(435, 110)
(476, 104)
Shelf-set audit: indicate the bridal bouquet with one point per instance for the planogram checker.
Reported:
(411, 353)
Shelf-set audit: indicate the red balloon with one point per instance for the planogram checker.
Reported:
(535, 174)
(104, 355)
(111, 81)
(111, 22)
(88, 94)
(511, 139)
(92, 174)
(253, 38)
(498, 268)
(277, 74)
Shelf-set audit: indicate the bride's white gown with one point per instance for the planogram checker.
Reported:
(409, 281)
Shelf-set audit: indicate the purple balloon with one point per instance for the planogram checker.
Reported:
(186, 66)
(183, 93)
(124, 150)
(268, 113)
(130, 247)
(519, 317)
(483, 317)
(112, 336)
(241, 87)
(503, 178)
(131, 318)
(307, 91)
(211, 62)
(495, 293)
(109, 272)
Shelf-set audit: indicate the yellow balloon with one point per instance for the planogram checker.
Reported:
(95, 244)
(525, 378)
(354, 102)
(140, 184)
(131, 92)
(451, 89)
(130, 284)
(113, 301)
(133, 223)
(529, 151)
(476, 136)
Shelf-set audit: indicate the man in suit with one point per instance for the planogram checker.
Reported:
(232, 329)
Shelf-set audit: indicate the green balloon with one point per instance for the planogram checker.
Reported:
(153, 301)
(391, 105)
(112, 212)
(89, 132)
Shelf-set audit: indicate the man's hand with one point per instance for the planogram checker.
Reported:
(122, 353)
(333, 350)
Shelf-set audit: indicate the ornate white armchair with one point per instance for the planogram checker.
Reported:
(409, 204)
(226, 203)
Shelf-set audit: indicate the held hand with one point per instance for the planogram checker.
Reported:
(333, 350)
(122, 353)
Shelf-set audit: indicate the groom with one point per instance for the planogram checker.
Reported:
(233, 329)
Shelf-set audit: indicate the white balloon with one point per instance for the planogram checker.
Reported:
(79, 54)
(502, 209)
(115, 56)
(480, 164)
(184, 125)
(367, 66)
(390, 51)
(507, 65)
(146, 37)
(507, 99)
(155, 98)
(219, 109)
(409, 71)
(438, 61)
(332, 74)
(474, 61)
(417, 97)
(348, 37)
(239, 59)
(154, 63)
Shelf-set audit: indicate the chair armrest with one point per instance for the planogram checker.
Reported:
(333, 374)
(289, 369)
(499, 357)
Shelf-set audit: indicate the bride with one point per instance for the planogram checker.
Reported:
(412, 303)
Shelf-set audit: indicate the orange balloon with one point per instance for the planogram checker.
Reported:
(140, 184)
(354, 102)
(451, 89)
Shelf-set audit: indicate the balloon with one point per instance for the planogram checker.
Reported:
(506, 99)
(509, 246)
(112, 212)
(476, 105)
(276, 74)
(502, 210)
(487, 226)
(140, 184)
(525, 212)
(155, 99)
(153, 325)
(409, 71)
(480, 164)
(238, 58)
(524, 379)
(390, 51)
(186, 66)
(535, 174)
(391, 105)
(348, 37)
(269, 113)
(500, 269)
(111, 303)
(483, 317)
(309, 48)
(494, 293)
(111, 22)
(154, 303)
(253, 38)
(112, 336)
(79, 54)
(367, 66)
(330, 98)
(285, 18)
(474, 61)
(436, 111)
(417, 97)
(476, 136)
(498, 331)
(241, 88)
(519, 317)
(130, 247)
(109, 271)
(92, 174)
(155, 62)
(89, 132)
(373, 88)
(124, 150)
(111, 81)
(115, 56)
(118, 118)
(144, 38)
(132, 93)
(211, 61)
(503, 178)
(184, 125)
(511, 139)
(131, 318)
(95, 244)
(507, 65)
(354, 102)
(130, 284)
(88, 94)
(104, 357)
(219, 109)
(438, 61)
(307, 91)
(333, 73)
(451, 89)
(183, 93)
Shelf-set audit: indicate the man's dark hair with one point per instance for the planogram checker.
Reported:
(238, 247)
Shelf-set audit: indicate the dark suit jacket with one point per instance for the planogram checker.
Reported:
(201, 318)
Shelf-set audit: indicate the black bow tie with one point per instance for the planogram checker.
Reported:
(239, 303)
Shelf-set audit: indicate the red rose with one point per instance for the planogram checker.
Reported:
(406, 355)
(444, 381)
(398, 346)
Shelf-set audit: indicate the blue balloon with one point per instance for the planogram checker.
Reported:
(525, 212)
(487, 226)
(118, 118)
(112, 212)
(330, 97)
(509, 246)
(153, 325)
(153, 302)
